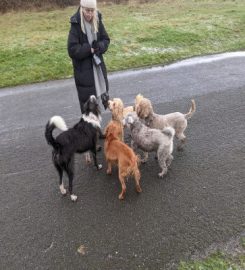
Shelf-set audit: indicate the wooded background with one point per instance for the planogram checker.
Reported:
(8, 5)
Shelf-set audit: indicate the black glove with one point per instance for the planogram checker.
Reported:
(95, 46)
(105, 98)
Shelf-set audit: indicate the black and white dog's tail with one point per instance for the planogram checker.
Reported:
(54, 122)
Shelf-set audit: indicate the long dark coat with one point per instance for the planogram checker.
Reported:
(80, 52)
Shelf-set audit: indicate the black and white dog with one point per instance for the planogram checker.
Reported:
(78, 139)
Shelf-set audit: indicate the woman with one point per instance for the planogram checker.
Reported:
(87, 42)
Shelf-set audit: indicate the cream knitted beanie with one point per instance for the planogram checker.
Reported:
(88, 3)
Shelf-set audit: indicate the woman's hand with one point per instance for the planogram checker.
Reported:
(95, 46)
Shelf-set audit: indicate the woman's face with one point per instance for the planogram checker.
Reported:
(88, 13)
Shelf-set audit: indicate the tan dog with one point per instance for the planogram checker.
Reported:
(176, 120)
(117, 152)
(117, 109)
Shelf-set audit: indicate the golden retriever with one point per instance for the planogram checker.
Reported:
(117, 152)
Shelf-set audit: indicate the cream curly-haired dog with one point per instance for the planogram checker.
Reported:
(176, 120)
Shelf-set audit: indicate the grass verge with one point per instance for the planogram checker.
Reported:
(33, 44)
(217, 261)
(230, 257)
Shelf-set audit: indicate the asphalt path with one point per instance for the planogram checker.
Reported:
(198, 204)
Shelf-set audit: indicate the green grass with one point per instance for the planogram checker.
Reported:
(243, 242)
(33, 44)
(233, 258)
(217, 261)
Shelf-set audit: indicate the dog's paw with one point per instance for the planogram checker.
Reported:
(121, 196)
(63, 190)
(138, 189)
(73, 197)
(168, 162)
(161, 174)
(108, 171)
(99, 166)
(180, 148)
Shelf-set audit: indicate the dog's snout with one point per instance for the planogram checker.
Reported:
(93, 98)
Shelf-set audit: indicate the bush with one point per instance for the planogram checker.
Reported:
(8, 5)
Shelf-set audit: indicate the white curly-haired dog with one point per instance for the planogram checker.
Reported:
(152, 140)
(176, 120)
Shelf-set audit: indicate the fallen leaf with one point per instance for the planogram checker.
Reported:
(81, 250)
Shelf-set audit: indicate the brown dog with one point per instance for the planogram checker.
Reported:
(117, 152)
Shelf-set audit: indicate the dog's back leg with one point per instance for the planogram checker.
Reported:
(145, 157)
(88, 158)
(137, 179)
(169, 160)
(109, 167)
(182, 141)
(179, 134)
(68, 167)
(98, 166)
(60, 171)
(162, 156)
(122, 181)
(101, 135)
